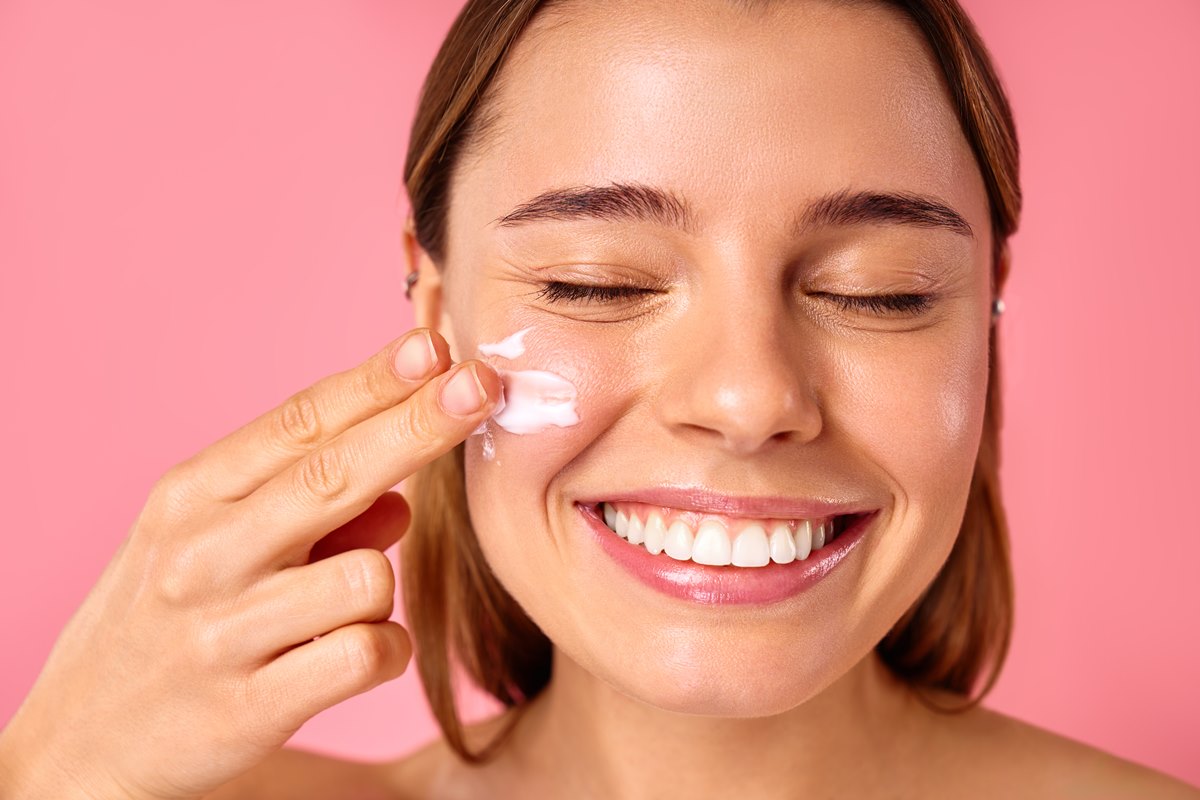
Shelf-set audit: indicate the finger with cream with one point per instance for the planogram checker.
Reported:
(533, 399)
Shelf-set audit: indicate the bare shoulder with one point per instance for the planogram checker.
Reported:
(294, 773)
(1007, 757)
(435, 770)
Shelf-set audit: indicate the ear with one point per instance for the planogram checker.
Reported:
(427, 297)
(1003, 265)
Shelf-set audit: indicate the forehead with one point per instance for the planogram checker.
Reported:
(739, 110)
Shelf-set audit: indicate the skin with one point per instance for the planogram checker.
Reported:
(747, 383)
(193, 659)
(735, 377)
(250, 594)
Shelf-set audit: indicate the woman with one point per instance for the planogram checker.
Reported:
(704, 405)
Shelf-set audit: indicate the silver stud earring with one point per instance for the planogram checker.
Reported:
(410, 280)
(997, 308)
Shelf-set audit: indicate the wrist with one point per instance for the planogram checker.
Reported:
(31, 773)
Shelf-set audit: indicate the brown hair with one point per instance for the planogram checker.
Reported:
(458, 610)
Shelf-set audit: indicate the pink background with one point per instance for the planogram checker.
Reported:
(198, 216)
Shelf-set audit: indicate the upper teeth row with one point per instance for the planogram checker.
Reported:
(756, 545)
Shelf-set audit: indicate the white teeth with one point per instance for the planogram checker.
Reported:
(751, 549)
(635, 533)
(712, 545)
(783, 546)
(804, 542)
(679, 541)
(655, 533)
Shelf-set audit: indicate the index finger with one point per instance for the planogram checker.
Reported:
(278, 524)
(234, 467)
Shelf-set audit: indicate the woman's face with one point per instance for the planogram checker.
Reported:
(726, 366)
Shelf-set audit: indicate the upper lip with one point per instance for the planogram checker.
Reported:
(704, 500)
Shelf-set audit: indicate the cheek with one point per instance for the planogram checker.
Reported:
(917, 410)
(509, 493)
(917, 415)
(600, 393)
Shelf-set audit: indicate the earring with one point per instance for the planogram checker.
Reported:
(997, 308)
(410, 280)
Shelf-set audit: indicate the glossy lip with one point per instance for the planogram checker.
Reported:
(705, 501)
(708, 585)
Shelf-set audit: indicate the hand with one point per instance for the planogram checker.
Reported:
(194, 657)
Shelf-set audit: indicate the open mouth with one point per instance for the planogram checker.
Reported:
(720, 540)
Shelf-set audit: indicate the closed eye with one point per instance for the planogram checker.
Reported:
(908, 304)
(559, 292)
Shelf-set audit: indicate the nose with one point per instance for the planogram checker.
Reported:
(740, 377)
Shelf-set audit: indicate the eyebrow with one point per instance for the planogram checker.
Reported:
(635, 202)
(881, 208)
(617, 202)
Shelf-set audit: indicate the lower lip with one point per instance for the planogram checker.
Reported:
(728, 585)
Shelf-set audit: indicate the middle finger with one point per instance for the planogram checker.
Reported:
(282, 519)
(233, 467)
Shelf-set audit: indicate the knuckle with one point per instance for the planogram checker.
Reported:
(174, 492)
(417, 426)
(299, 420)
(175, 588)
(212, 645)
(365, 651)
(376, 385)
(323, 474)
(180, 574)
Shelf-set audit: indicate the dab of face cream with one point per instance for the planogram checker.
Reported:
(533, 399)
(508, 347)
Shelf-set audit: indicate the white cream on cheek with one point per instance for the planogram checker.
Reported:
(533, 399)
(508, 347)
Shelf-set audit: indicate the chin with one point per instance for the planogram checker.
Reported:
(710, 676)
(737, 694)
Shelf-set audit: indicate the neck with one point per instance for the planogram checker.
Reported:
(584, 739)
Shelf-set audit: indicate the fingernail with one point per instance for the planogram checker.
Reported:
(463, 394)
(415, 357)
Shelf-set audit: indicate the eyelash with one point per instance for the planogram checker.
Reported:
(911, 304)
(559, 292)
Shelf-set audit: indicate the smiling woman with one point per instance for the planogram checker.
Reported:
(702, 421)
(766, 241)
